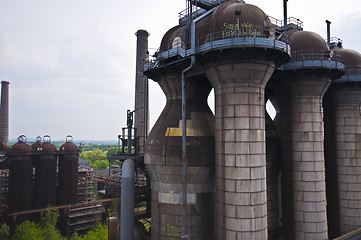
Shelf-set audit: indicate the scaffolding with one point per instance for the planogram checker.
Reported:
(4, 188)
(83, 218)
(86, 189)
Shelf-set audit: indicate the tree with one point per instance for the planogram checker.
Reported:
(48, 223)
(28, 231)
(4, 232)
(97, 158)
(100, 232)
(46, 230)
(50, 217)
(99, 164)
(76, 237)
(93, 155)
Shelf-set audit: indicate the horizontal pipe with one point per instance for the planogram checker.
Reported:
(62, 207)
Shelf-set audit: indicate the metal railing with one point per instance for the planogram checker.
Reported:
(313, 56)
(315, 60)
(291, 21)
(242, 35)
(184, 17)
(232, 32)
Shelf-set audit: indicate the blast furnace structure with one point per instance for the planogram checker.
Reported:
(342, 146)
(268, 177)
(232, 47)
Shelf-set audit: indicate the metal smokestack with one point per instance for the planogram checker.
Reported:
(328, 33)
(4, 113)
(141, 118)
(285, 15)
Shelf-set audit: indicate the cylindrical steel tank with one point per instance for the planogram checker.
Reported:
(68, 173)
(45, 174)
(37, 144)
(20, 177)
(342, 146)
(163, 158)
(4, 113)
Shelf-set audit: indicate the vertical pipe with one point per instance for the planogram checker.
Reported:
(328, 33)
(184, 153)
(127, 201)
(285, 15)
(4, 113)
(184, 125)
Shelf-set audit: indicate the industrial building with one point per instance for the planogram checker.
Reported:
(35, 177)
(259, 178)
(238, 174)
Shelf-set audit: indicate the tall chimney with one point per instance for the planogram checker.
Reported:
(328, 33)
(141, 117)
(285, 15)
(4, 113)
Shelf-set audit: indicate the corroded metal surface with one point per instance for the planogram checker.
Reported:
(307, 42)
(352, 60)
(68, 174)
(20, 178)
(45, 175)
(163, 157)
(232, 17)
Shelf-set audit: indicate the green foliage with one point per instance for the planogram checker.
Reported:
(98, 233)
(99, 164)
(92, 146)
(97, 158)
(4, 232)
(50, 217)
(51, 233)
(145, 223)
(28, 231)
(93, 155)
(46, 230)
(76, 237)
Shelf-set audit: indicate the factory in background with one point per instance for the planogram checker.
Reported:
(34, 177)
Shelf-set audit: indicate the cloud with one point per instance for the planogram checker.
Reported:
(71, 64)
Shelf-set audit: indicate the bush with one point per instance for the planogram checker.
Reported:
(28, 231)
(4, 232)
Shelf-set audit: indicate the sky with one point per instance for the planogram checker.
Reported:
(71, 63)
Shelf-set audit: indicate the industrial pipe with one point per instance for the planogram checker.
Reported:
(285, 15)
(127, 201)
(328, 33)
(184, 125)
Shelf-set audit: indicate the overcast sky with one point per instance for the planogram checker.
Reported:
(71, 64)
